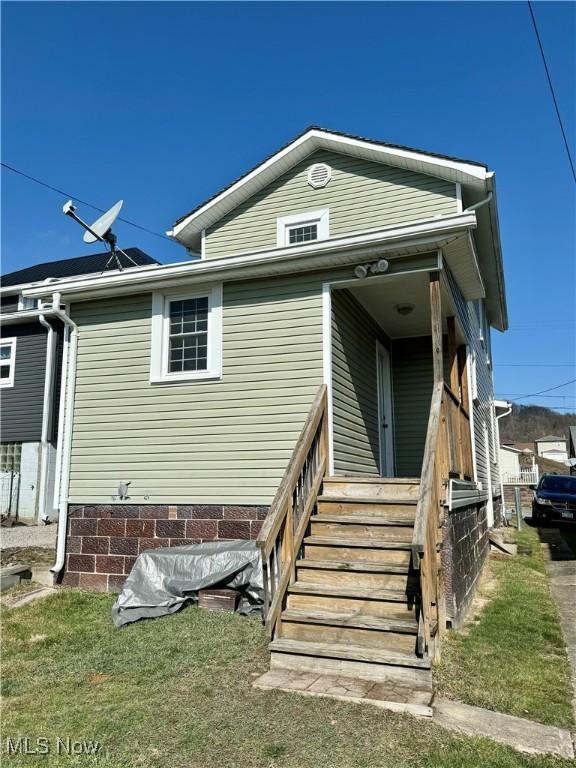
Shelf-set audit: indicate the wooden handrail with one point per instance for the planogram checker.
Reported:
(427, 475)
(447, 453)
(281, 536)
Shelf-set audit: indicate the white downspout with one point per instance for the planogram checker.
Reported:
(46, 416)
(65, 428)
(498, 417)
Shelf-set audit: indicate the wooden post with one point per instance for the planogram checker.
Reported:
(463, 374)
(453, 357)
(436, 318)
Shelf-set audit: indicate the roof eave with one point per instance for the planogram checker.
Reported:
(189, 227)
(317, 255)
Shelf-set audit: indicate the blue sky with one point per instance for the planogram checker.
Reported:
(163, 104)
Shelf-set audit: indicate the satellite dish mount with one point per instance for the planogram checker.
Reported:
(101, 230)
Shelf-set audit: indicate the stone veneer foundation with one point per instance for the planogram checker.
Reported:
(103, 541)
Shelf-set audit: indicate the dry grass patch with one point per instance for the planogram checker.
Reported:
(511, 656)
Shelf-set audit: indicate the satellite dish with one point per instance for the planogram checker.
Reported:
(101, 230)
(102, 225)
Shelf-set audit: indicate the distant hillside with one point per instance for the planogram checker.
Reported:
(529, 422)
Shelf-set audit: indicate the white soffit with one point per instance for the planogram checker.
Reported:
(450, 170)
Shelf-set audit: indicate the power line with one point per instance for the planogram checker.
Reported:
(84, 202)
(550, 389)
(534, 365)
(552, 90)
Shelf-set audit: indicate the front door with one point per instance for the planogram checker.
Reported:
(386, 433)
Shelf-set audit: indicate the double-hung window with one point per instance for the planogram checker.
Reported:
(186, 335)
(7, 362)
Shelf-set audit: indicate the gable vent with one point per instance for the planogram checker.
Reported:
(319, 175)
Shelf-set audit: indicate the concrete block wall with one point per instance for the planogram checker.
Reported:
(103, 541)
(464, 550)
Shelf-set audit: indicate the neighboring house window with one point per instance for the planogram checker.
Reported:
(10, 457)
(303, 228)
(186, 335)
(7, 362)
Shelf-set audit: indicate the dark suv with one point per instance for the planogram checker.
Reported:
(555, 498)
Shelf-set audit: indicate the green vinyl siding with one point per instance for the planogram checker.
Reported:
(226, 441)
(412, 378)
(354, 387)
(360, 196)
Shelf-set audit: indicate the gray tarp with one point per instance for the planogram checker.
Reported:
(163, 580)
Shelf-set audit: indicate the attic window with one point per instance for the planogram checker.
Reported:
(302, 234)
(319, 175)
(302, 228)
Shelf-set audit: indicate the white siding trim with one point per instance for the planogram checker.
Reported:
(203, 245)
(327, 366)
(321, 217)
(459, 205)
(159, 348)
(10, 342)
(471, 413)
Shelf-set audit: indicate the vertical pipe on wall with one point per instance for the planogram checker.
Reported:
(65, 428)
(47, 410)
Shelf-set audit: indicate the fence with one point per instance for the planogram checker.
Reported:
(525, 477)
(9, 491)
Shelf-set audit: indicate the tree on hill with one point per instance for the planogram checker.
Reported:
(527, 423)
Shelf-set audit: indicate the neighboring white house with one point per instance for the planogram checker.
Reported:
(552, 447)
(517, 466)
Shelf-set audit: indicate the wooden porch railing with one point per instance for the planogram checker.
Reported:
(447, 453)
(281, 536)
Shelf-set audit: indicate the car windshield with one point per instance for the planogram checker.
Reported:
(558, 483)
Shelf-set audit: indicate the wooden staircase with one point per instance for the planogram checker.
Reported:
(352, 608)
(352, 567)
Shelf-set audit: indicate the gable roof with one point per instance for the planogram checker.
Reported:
(80, 265)
(311, 140)
(476, 180)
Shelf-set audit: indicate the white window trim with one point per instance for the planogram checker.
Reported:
(11, 342)
(159, 373)
(319, 217)
(474, 377)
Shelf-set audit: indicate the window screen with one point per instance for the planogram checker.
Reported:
(188, 335)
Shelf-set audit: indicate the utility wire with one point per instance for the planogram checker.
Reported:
(552, 90)
(543, 391)
(534, 365)
(84, 202)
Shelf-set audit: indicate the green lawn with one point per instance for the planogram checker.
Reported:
(177, 692)
(512, 657)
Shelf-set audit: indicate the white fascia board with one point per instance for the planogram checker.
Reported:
(12, 318)
(309, 142)
(316, 255)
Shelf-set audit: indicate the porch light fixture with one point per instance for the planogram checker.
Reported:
(404, 309)
(363, 270)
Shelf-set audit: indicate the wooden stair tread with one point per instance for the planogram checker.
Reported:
(351, 541)
(344, 619)
(351, 652)
(363, 593)
(339, 565)
(336, 499)
(325, 517)
(375, 479)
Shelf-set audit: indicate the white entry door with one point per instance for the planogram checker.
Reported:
(386, 433)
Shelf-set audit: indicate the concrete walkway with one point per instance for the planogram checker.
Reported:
(523, 735)
(561, 569)
(43, 536)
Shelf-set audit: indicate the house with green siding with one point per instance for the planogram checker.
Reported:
(316, 376)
